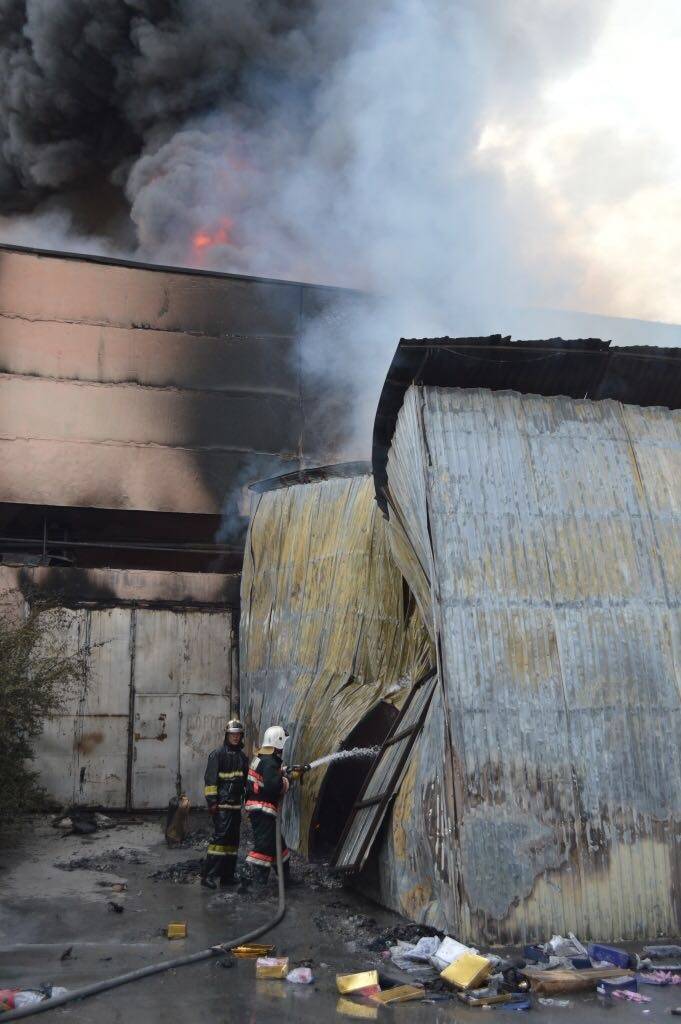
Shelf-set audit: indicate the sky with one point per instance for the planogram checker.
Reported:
(604, 148)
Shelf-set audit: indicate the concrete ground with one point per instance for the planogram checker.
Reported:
(47, 911)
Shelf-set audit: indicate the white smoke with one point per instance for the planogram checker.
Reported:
(346, 143)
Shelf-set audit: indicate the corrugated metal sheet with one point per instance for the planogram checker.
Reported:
(554, 546)
(581, 368)
(324, 631)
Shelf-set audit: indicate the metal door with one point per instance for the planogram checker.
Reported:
(156, 737)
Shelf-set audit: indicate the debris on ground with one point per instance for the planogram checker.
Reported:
(67, 954)
(300, 976)
(177, 823)
(115, 908)
(108, 861)
(16, 999)
(272, 968)
(176, 930)
(182, 872)
(82, 821)
(251, 951)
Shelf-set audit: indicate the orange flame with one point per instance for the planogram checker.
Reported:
(222, 235)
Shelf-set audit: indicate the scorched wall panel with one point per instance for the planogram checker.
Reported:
(555, 534)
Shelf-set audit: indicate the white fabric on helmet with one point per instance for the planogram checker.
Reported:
(275, 737)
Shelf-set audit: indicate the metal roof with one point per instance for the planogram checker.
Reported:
(579, 368)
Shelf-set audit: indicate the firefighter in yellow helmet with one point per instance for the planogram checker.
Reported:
(225, 784)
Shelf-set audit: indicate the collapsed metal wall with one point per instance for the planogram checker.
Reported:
(325, 632)
(541, 537)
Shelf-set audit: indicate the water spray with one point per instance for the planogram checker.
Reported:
(296, 771)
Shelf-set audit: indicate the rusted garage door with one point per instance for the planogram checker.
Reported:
(181, 683)
(155, 702)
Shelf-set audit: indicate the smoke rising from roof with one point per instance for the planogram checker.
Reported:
(317, 140)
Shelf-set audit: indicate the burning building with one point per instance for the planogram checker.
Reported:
(525, 545)
(137, 403)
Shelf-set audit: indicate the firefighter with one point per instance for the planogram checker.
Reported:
(267, 784)
(225, 783)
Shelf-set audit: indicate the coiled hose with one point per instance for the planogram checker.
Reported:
(180, 961)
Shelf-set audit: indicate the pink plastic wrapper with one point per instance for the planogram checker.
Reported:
(300, 976)
(631, 997)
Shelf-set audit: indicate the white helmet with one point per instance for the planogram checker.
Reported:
(275, 736)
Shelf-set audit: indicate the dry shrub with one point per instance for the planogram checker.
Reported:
(38, 669)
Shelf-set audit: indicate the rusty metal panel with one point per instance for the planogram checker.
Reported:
(156, 750)
(554, 533)
(203, 722)
(82, 756)
(324, 632)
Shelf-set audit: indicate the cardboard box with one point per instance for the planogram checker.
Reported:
(271, 967)
(399, 994)
(357, 982)
(177, 930)
(467, 971)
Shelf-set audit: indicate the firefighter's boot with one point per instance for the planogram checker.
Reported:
(207, 875)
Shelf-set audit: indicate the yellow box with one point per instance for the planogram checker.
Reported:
(177, 930)
(360, 1011)
(271, 967)
(399, 994)
(355, 982)
(467, 971)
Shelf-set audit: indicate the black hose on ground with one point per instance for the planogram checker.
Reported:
(180, 961)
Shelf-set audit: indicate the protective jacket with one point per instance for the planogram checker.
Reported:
(225, 784)
(225, 778)
(264, 790)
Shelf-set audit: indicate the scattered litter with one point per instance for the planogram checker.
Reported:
(226, 962)
(107, 861)
(547, 1001)
(182, 872)
(448, 951)
(520, 1004)
(399, 994)
(609, 986)
(558, 980)
(177, 930)
(115, 908)
(662, 952)
(485, 997)
(300, 976)
(271, 967)
(66, 955)
(609, 955)
(631, 997)
(467, 971)
(177, 820)
(424, 949)
(536, 954)
(676, 1011)
(16, 999)
(251, 951)
(562, 947)
(660, 977)
(360, 983)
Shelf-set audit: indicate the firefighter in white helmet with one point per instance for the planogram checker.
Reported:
(265, 788)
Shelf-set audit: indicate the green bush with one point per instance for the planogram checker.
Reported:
(38, 668)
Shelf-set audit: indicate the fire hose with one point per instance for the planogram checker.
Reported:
(180, 961)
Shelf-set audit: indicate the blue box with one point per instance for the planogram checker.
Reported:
(611, 954)
(610, 985)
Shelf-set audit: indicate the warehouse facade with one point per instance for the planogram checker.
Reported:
(136, 404)
(532, 494)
